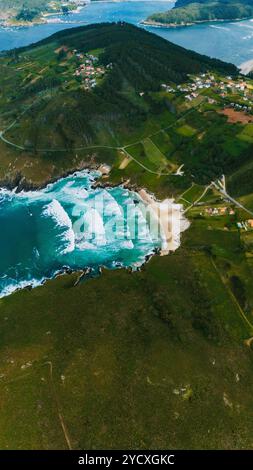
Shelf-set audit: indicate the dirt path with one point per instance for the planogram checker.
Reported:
(63, 426)
(199, 198)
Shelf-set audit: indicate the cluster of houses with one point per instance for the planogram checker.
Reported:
(219, 211)
(246, 224)
(201, 82)
(197, 83)
(215, 211)
(206, 80)
(240, 107)
(240, 87)
(167, 88)
(89, 70)
(222, 87)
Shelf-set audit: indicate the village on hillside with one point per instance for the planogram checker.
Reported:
(234, 93)
(89, 70)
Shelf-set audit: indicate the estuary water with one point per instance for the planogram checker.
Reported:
(229, 41)
(69, 224)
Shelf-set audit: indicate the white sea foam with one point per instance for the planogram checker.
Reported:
(127, 244)
(55, 210)
(69, 238)
(14, 286)
(94, 227)
(219, 27)
(84, 245)
(45, 194)
(113, 208)
(243, 25)
(73, 192)
(105, 203)
(250, 36)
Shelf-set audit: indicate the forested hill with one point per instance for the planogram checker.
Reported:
(143, 57)
(183, 3)
(188, 12)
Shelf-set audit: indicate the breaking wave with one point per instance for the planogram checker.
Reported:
(219, 27)
(55, 210)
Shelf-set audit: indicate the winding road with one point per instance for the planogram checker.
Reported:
(94, 147)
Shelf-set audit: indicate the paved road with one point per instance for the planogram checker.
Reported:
(221, 188)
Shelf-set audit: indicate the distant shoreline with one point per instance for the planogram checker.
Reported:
(158, 24)
(42, 19)
(11, 22)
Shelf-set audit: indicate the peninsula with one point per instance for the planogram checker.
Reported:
(28, 12)
(187, 13)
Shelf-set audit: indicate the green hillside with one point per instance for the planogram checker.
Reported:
(182, 3)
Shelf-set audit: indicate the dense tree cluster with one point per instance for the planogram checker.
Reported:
(154, 55)
(181, 3)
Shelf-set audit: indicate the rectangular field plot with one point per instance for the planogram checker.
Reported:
(191, 195)
(186, 130)
(163, 142)
(247, 133)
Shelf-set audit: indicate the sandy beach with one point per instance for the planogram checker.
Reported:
(170, 219)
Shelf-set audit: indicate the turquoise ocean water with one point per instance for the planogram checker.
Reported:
(69, 224)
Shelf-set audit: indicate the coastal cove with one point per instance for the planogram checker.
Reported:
(229, 41)
(72, 226)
